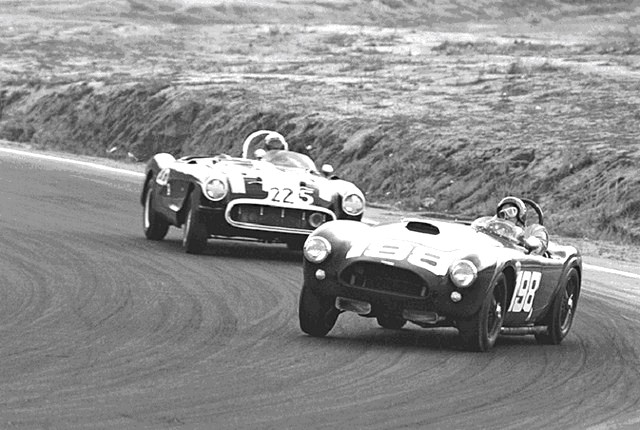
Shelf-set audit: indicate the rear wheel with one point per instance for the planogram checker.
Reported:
(317, 313)
(155, 227)
(562, 311)
(481, 332)
(194, 231)
(391, 322)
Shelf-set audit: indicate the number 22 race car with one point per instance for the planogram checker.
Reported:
(434, 273)
(269, 194)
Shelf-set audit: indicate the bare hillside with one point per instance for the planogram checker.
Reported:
(439, 106)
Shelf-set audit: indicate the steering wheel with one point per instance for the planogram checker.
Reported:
(536, 208)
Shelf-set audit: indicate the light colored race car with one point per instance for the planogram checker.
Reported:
(271, 195)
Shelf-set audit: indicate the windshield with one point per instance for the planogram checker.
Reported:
(289, 159)
(498, 228)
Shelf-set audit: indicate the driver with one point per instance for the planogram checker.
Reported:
(273, 141)
(534, 236)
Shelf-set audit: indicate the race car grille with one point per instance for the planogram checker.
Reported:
(385, 278)
(245, 214)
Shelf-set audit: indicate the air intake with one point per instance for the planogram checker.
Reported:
(422, 227)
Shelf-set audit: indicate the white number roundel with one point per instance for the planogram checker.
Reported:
(397, 251)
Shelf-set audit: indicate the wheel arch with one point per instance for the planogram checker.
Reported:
(145, 187)
(182, 212)
(578, 268)
(510, 275)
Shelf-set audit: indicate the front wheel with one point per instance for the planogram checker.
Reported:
(562, 311)
(194, 231)
(317, 313)
(155, 227)
(480, 333)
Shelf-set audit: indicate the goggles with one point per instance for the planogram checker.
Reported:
(508, 212)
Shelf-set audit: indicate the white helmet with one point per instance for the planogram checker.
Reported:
(274, 141)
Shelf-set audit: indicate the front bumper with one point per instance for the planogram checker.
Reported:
(396, 290)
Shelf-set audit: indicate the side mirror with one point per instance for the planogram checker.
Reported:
(327, 169)
(259, 153)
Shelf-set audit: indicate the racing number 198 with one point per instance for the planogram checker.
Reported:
(527, 285)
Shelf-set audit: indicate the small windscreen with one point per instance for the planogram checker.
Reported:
(422, 227)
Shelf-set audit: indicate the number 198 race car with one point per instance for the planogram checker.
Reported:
(479, 278)
(269, 194)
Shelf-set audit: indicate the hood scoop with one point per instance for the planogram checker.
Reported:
(422, 227)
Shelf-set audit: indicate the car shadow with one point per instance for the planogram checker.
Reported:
(241, 249)
(410, 337)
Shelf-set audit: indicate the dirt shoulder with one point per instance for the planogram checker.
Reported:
(447, 112)
(604, 253)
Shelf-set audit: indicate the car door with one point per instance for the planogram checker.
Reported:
(536, 280)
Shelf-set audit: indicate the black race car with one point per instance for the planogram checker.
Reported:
(478, 277)
(273, 195)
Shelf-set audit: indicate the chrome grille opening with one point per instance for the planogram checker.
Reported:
(277, 217)
(382, 277)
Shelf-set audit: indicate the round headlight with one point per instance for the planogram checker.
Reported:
(463, 273)
(216, 189)
(353, 204)
(316, 249)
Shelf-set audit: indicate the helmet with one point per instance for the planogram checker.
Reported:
(273, 141)
(520, 213)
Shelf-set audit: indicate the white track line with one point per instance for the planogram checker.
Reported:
(141, 175)
(71, 161)
(612, 271)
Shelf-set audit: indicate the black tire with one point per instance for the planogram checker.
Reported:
(391, 322)
(194, 231)
(155, 227)
(481, 332)
(563, 311)
(317, 313)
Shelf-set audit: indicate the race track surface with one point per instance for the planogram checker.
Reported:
(100, 328)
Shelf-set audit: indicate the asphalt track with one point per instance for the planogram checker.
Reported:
(100, 328)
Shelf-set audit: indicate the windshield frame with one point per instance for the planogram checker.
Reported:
(290, 159)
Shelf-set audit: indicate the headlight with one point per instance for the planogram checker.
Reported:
(353, 204)
(216, 189)
(463, 273)
(316, 249)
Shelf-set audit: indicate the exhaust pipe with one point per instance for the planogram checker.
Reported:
(519, 331)
(422, 317)
(352, 305)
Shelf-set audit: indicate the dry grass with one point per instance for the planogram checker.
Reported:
(473, 103)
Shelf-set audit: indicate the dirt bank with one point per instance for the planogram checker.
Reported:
(419, 116)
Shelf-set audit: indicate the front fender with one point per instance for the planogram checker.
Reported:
(154, 166)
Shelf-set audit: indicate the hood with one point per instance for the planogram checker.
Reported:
(439, 242)
(445, 236)
(257, 179)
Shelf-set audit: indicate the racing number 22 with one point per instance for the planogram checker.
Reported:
(527, 285)
(287, 195)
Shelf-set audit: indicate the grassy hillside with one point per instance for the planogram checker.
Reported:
(432, 105)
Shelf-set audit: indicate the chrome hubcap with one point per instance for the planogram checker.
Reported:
(498, 311)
